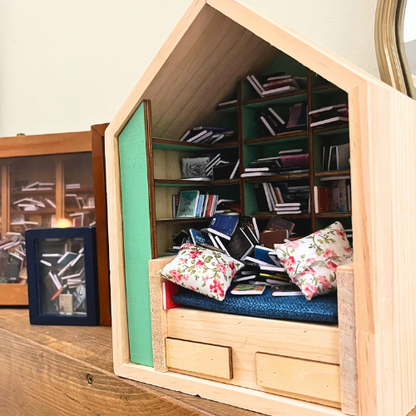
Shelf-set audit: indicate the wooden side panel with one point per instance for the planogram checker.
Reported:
(13, 294)
(46, 144)
(5, 198)
(383, 149)
(194, 357)
(60, 188)
(103, 268)
(159, 322)
(347, 340)
(317, 381)
(136, 236)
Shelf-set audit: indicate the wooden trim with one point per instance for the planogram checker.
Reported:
(347, 339)
(150, 175)
(311, 155)
(121, 346)
(236, 396)
(5, 198)
(60, 188)
(45, 144)
(100, 197)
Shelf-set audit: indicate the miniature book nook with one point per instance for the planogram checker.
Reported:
(205, 75)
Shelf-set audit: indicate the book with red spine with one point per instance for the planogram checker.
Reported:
(169, 289)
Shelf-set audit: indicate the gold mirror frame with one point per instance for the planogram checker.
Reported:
(390, 51)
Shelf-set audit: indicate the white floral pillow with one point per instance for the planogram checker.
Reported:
(320, 278)
(297, 255)
(205, 271)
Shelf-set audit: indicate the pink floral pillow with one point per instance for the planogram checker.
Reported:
(298, 255)
(205, 271)
(320, 278)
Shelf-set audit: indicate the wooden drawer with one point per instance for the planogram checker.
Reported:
(301, 378)
(194, 357)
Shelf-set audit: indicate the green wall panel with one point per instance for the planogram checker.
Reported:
(136, 233)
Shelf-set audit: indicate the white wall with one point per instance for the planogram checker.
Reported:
(65, 65)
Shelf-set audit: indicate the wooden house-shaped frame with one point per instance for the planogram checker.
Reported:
(212, 49)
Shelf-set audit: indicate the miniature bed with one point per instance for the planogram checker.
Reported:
(289, 358)
(364, 366)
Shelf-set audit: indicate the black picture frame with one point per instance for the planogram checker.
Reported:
(33, 236)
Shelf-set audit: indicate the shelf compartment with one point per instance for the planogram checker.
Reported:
(334, 215)
(287, 216)
(184, 182)
(40, 212)
(292, 136)
(279, 99)
(278, 177)
(325, 89)
(333, 173)
(326, 131)
(177, 146)
(182, 220)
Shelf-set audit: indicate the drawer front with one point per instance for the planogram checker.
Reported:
(195, 357)
(314, 380)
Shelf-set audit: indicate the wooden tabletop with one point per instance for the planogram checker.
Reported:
(67, 370)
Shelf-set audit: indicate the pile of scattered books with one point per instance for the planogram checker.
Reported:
(194, 204)
(270, 123)
(205, 168)
(31, 204)
(334, 114)
(13, 258)
(278, 83)
(39, 186)
(282, 199)
(335, 197)
(239, 237)
(286, 163)
(206, 135)
(63, 275)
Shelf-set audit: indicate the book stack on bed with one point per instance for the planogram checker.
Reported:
(239, 237)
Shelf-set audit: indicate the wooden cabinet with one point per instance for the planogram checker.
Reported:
(46, 180)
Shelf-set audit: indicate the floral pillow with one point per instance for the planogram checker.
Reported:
(202, 270)
(320, 278)
(298, 255)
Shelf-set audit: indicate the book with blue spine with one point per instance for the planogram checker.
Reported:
(223, 225)
(199, 206)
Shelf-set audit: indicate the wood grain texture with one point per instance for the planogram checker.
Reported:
(347, 339)
(383, 169)
(5, 198)
(100, 197)
(158, 314)
(45, 372)
(12, 294)
(316, 381)
(195, 357)
(59, 188)
(45, 144)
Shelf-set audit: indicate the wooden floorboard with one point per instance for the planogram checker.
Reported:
(58, 370)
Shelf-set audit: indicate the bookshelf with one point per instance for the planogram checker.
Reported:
(204, 62)
(164, 155)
